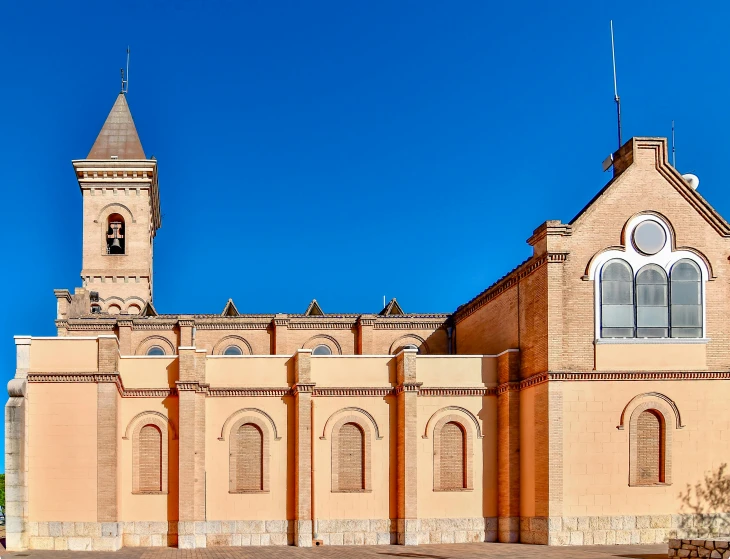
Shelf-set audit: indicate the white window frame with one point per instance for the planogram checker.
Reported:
(665, 258)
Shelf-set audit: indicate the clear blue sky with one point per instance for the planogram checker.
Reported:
(340, 150)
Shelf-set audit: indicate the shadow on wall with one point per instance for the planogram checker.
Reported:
(706, 506)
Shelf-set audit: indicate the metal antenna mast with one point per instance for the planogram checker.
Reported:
(616, 98)
(125, 77)
(674, 151)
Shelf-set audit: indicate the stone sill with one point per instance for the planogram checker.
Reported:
(150, 492)
(246, 491)
(650, 341)
(352, 491)
(456, 490)
(662, 484)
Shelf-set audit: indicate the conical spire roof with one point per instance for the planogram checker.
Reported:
(118, 136)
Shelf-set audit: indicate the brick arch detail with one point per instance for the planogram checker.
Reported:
(330, 419)
(265, 454)
(665, 414)
(140, 416)
(468, 434)
(149, 341)
(649, 395)
(113, 208)
(409, 338)
(465, 411)
(367, 438)
(158, 420)
(329, 341)
(225, 429)
(240, 341)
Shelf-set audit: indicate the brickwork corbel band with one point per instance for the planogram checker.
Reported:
(407, 398)
(303, 448)
(508, 446)
(16, 446)
(191, 436)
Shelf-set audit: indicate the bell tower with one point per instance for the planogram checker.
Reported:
(121, 215)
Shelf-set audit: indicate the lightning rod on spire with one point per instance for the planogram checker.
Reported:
(125, 76)
(616, 97)
(674, 151)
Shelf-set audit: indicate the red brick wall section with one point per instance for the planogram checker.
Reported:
(452, 456)
(249, 462)
(351, 458)
(649, 448)
(150, 459)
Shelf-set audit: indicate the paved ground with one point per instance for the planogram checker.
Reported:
(442, 551)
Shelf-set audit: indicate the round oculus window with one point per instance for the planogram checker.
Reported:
(649, 237)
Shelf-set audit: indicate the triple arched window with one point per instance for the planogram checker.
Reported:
(649, 303)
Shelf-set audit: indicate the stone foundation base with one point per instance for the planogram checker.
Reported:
(75, 536)
(214, 533)
(149, 534)
(356, 532)
(610, 530)
(457, 530)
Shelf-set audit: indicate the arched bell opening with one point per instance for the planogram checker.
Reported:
(115, 235)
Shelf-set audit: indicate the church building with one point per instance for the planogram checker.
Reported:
(568, 403)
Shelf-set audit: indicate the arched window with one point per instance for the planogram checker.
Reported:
(652, 300)
(452, 456)
(686, 300)
(650, 445)
(115, 240)
(411, 346)
(114, 309)
(150, 459)
(351, 458)
(322, 349)
(95, 309)
(232, 350)
(155, 350)
(617, 300)
(249, 448)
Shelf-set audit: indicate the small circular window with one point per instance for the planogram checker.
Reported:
(649, 237)
(322, 350)
(232, 350)
(155, 350)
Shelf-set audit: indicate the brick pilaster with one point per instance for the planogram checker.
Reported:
(16, 448)
(107, 421)
(186, 332)
(407, 396)
(508, 446)
(191, 435)
(280, 325)
(303, 448)
(366, 335)
(125, 336)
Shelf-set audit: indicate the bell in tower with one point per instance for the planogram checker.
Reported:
(115, 235)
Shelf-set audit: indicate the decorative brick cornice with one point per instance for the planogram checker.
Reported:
(409, 325)
(149, 392)
(457, 391)
(186, 322)
(506, 282)
(254, 392)
(142, 324)
(91, 325)
(233, 325)
(302, 388)
(366, 321)
(280, 321)
(623, 376)
(125, 322)
(508, 387)
(192, 387)
(534, 380)
(354, 391)
(101, 378)
(408, 387)
(312, 325)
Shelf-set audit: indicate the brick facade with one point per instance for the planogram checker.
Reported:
(510, 421)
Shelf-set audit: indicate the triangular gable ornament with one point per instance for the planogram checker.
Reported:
(391, 309)
(230, 309)
(148, 310)
(314, 309)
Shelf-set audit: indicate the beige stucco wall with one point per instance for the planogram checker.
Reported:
(596, 453)
(254, 371)
(482, 500)
(62, 452)
(457, 370)
(148, 372)
(359, 371)
(63, 355)
(380, 502)
(651, 357)
(272, 505)
(147, 507)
